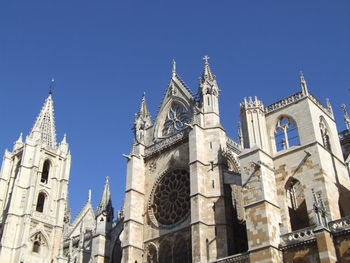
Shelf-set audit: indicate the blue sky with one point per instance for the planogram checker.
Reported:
(105, 54)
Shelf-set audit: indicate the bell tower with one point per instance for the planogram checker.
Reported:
(33, 182)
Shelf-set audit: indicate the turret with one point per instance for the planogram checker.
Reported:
(209, 95)
(253, 124)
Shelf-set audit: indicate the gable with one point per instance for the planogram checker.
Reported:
(177, 104)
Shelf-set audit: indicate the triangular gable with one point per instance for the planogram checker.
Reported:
(176, 91)
(86, 217)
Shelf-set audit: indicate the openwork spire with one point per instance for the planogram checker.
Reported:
(44, 126)
(105, 205)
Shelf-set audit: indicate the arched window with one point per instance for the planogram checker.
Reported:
(296, 205)
(40, 203)
(37, 242)
(152, 254)
(325, 134)
(36, 247)
(286, 133)
(45, 172)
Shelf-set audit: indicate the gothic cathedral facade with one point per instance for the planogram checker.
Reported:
(279, 193)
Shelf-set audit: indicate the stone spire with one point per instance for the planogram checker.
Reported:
(105, 205)
(143, 108)
(303, 84)
(346, 116)
(44, 126)
(207, 74)
(18, 143)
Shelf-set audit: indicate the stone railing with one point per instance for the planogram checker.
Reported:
(340, 224)
(298, 236)
(319, 104)
(284, 102)
(233, 144)
(239, 258)
(165, 143)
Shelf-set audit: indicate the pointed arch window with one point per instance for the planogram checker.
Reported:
(325, 134)
(40, 202)
(37, 242)
(45, 172)
(286, 133)
(296, 205)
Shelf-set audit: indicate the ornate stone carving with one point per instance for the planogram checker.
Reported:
(176, 120)
(170, 200)
(163, 144)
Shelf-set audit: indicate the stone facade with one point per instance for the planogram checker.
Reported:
(193, 194)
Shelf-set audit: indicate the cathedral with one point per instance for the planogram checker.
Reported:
(279, 193)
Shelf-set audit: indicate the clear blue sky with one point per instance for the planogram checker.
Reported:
(104, 54)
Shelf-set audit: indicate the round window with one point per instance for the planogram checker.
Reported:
(171, 197)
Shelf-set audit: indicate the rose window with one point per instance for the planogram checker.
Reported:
(171, 198)
(176, 120)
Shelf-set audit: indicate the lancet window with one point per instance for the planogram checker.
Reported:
(45, 172)
(40, 202)
(38, 241)
(286, 133)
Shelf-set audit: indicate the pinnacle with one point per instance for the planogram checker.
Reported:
(207, 74)
(303, 83)
(106, 203)
(143, 106)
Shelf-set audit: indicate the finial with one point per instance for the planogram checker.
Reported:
(240, 136)
(329, 105)
(64, 140)
(174, 67)
(206, 59)
(89, 196)
(51, 85)
(20, 138)
(303, 83)
(301, 74)
(107, 179)
(346, 116)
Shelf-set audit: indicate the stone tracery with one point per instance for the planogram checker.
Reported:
(176, 119)
(171, 198)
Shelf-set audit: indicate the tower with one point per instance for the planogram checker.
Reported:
(33, 197)
(293, 177)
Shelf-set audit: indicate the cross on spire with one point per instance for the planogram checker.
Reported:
(206, 59)
(51, 85)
